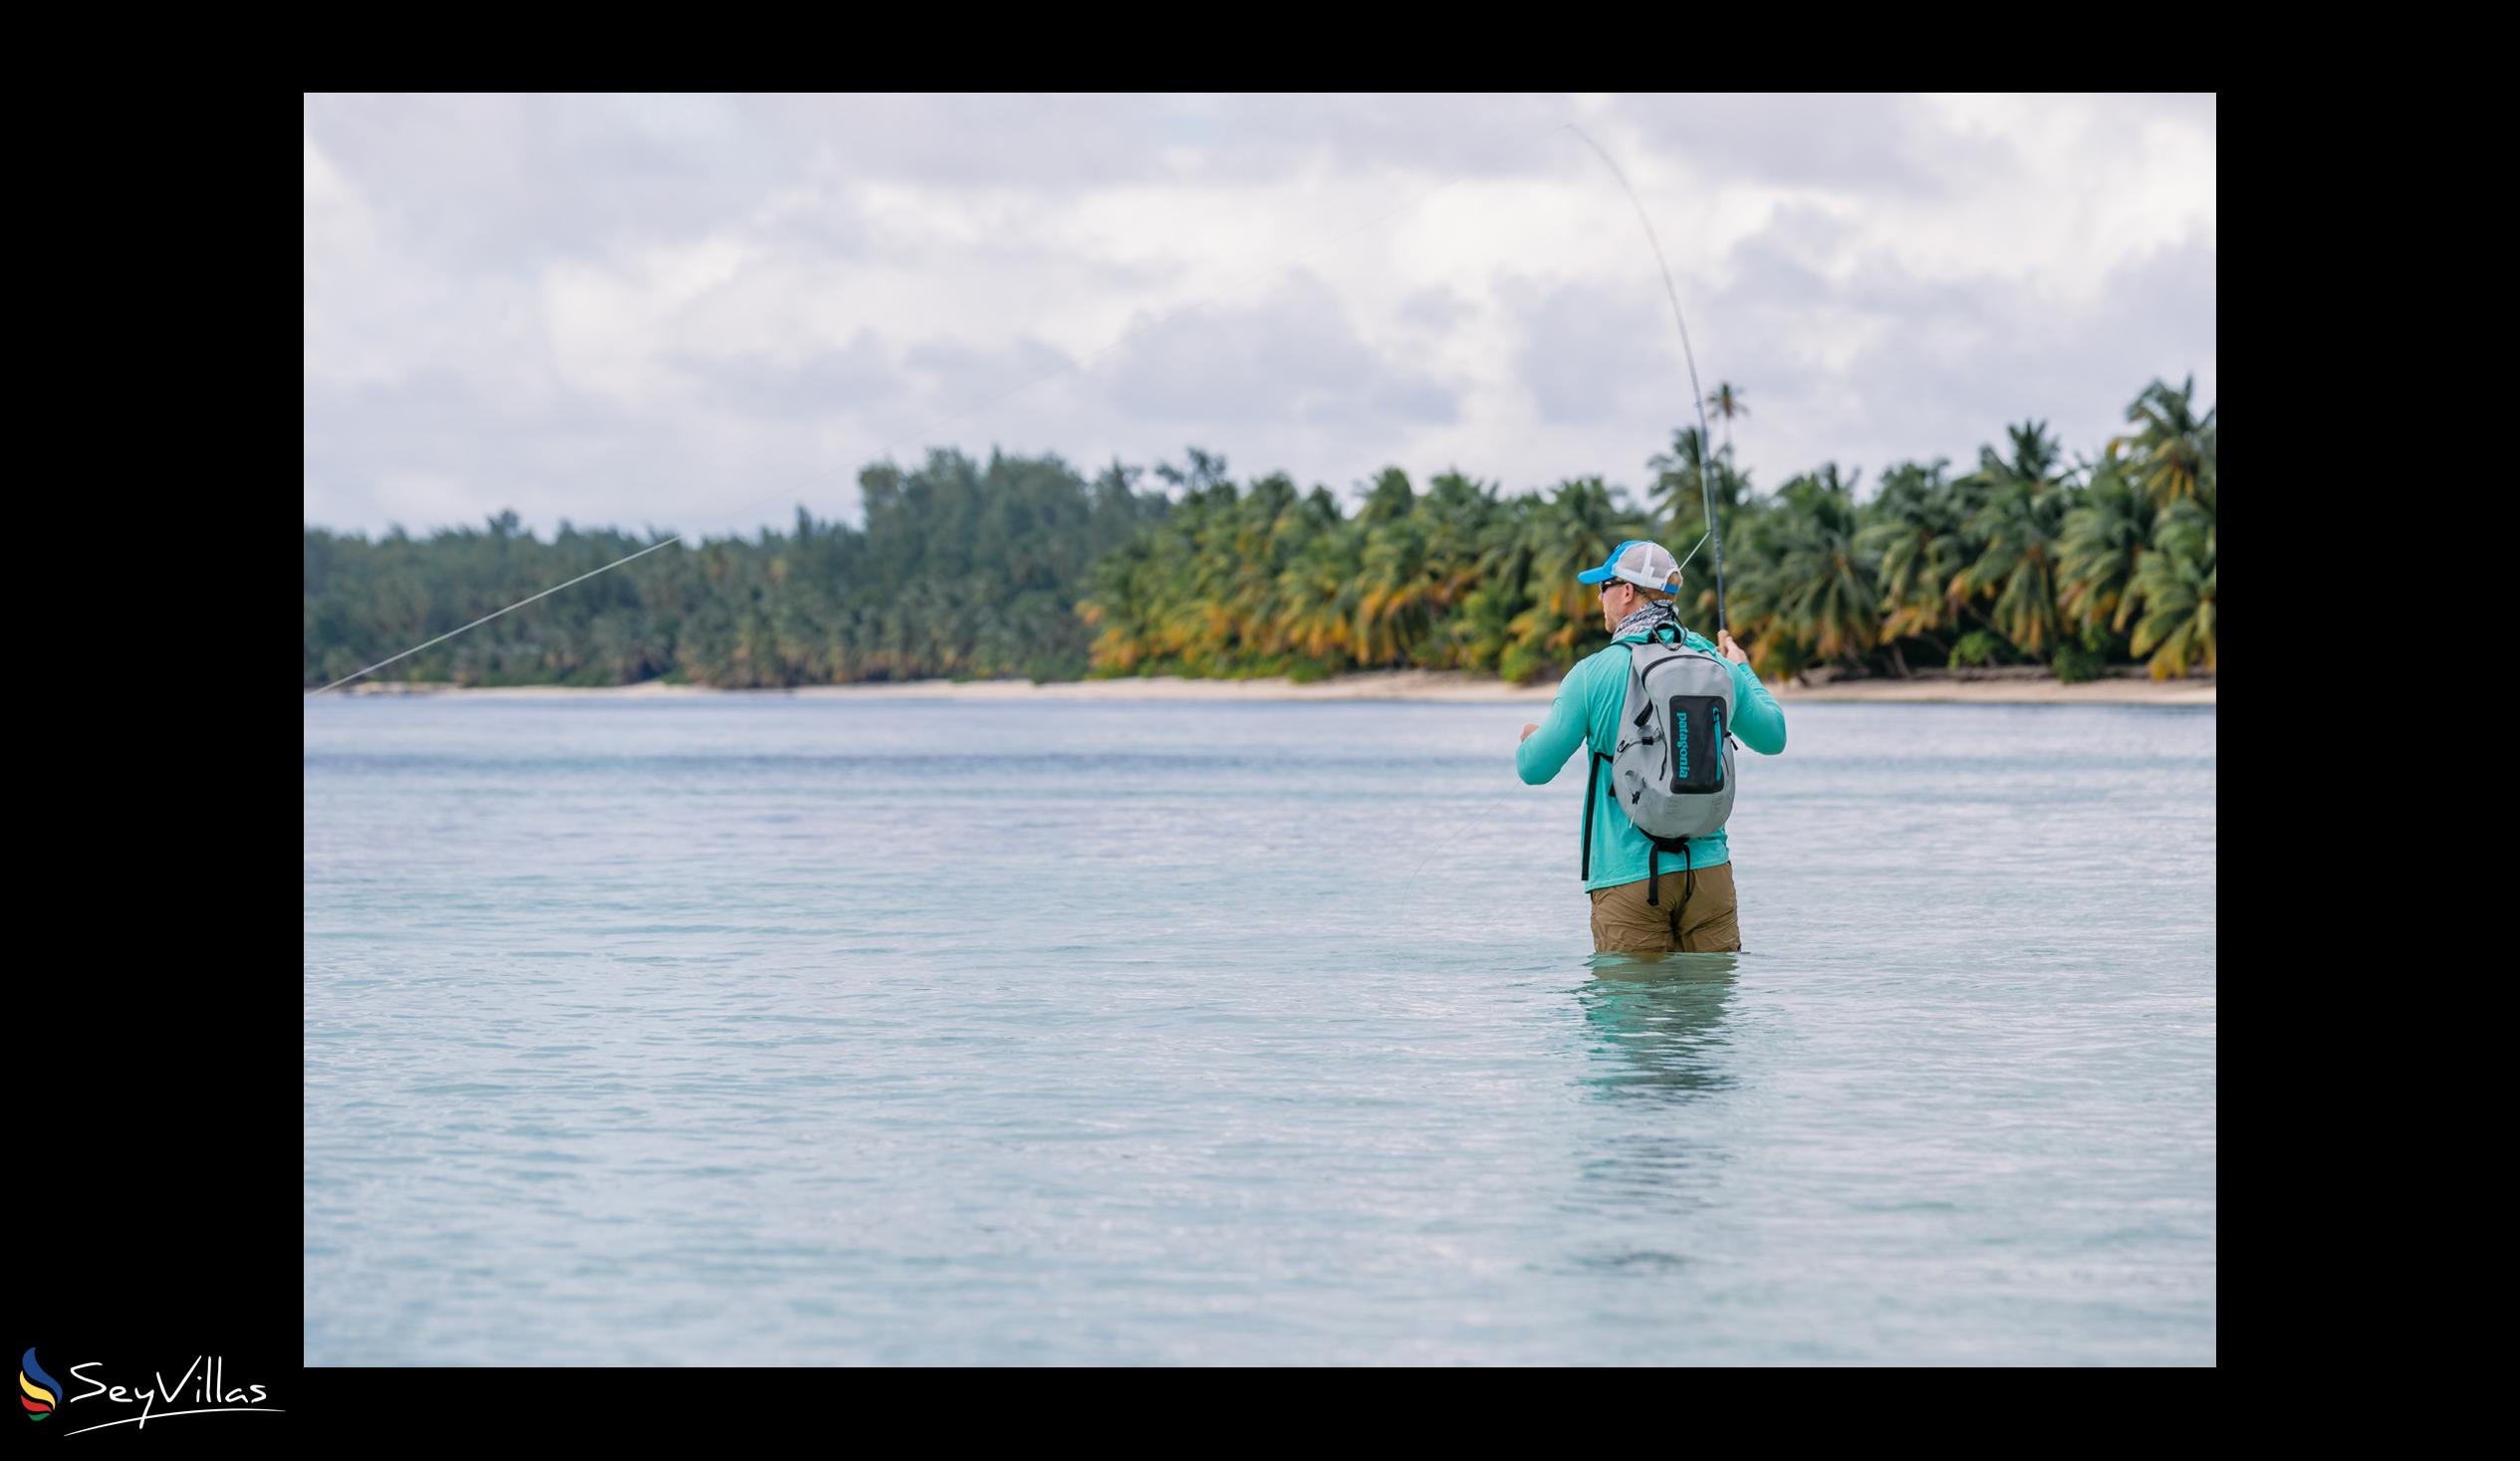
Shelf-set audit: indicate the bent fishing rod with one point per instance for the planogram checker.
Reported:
(1696, 394)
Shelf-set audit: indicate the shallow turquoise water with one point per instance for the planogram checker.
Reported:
(776, 1031)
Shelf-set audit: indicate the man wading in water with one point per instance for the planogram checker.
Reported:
(1645, 900)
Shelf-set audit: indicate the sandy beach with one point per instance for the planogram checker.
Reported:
(1987, 687)
(2027, 685)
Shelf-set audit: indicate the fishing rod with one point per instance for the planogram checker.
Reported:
(1697, 395)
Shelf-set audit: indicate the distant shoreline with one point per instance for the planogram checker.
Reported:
(1996, 687)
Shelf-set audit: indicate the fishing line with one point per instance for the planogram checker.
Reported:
(1692, 551)
(1697, 396)
(494, 613)
(1072, 365)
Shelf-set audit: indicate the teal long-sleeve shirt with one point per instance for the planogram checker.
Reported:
(1585, 715)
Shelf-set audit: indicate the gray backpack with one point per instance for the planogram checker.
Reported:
(1673, 769)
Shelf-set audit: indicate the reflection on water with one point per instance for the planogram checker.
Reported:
(1662, 1015)
(1659, 1047)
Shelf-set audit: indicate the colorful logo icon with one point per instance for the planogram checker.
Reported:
(42, 1392)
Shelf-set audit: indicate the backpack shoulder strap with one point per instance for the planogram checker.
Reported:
(1591, 794)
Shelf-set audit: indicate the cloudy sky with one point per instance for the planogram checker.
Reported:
(698, 311)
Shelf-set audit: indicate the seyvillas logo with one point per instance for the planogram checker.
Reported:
(39, 1392)
(204, 1382)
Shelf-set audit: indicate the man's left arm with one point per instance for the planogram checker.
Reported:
(1757, 719)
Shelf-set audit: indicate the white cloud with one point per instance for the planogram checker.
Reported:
(629, 309)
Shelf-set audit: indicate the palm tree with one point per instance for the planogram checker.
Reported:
(1727, 404)
(2173, 447)
(1678, 500)
(1675, 494)
(1456, 513)
(2103, 542)
(1813, 581)
(1249, 581)
(1390, 497)
(2176, 582)
(2019, 524)
(1319, 597)
(1398, 589)
(1504, 589)
(1916, 540)
(1573, 531)
(1116, 603)
(1760, 542)
(1312, 598)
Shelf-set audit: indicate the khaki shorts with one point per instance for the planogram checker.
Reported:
(1707, 922)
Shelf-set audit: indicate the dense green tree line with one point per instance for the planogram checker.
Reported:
(1022, 567)
(2022, 559)
(960, 569)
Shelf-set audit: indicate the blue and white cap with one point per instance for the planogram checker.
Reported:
(1648, 565)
